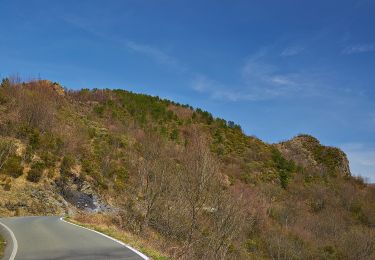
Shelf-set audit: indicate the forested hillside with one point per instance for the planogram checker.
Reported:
(186, 184)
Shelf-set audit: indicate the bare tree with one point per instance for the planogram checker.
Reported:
(153, 176)
(6, 148)
(36, 105)
(196, 177)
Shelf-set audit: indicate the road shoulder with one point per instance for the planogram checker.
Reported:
(2, 246)
(69, 221)
(8, 243)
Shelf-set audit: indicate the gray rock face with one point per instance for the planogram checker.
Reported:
(79, 199)
(80, 194)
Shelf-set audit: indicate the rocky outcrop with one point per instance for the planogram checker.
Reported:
(80, 194)
(307, 152)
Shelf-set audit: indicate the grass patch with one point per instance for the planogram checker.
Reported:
(126, 237)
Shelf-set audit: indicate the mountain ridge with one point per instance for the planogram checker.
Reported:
(196, 184)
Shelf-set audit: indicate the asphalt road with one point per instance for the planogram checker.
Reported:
(39, 238)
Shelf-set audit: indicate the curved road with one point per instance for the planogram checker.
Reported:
(39, 238)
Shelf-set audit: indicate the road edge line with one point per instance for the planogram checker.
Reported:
(113, 239)
(14, 241)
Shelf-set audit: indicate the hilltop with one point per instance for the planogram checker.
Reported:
(186, 184)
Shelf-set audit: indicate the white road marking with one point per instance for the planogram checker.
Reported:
(15, 244)
(113, 239)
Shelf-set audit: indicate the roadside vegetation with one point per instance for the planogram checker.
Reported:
(175, 181)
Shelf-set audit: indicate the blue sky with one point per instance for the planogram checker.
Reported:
(278, 68)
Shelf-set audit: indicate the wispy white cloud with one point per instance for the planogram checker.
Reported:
(152, 52)
(156, 54)
(361, 159)
(282, 80)
(203, 84)
(258, 83)
(292, 51)
(266, 81)
(217, 90)
(259, 80)
(360, 154)
(84, 25)
(359, 48)
(263, 77)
